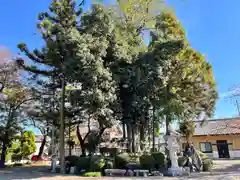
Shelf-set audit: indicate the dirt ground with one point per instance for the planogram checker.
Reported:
(223, 170)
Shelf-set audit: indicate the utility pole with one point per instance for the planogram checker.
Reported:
(62, 122)
(69, 138)
(153, 130)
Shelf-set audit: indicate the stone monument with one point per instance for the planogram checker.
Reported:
(173, 147)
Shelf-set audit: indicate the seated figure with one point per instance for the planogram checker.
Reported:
(194, 161)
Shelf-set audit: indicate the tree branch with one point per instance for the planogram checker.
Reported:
(22, 102)
(89, 129)
(79, 134)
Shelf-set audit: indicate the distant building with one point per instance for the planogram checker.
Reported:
(218, 138)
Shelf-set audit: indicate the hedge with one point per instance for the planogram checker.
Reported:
(159, 158)
(121, 160)
(147, 162)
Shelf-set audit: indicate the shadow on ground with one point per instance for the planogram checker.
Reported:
(230, 168)
(220, 172)
(29, 172)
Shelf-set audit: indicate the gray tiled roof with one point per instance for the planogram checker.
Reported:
(218, 127)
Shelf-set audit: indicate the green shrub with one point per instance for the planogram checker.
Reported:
(182, 160)
(109, 163)
(113, 151)
(159, 158)
(79, 162)
(17, 165)
(121, 160)
(16, 157)
(84, 163)
(73, 160)
(97, 163)
(147, 162)
(207, 165)
(92, 174)
(153, 150)
(134, 157)
(8, 156)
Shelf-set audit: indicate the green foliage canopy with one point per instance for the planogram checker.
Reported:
(118, 76)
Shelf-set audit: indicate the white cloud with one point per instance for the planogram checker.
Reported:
(234, 92)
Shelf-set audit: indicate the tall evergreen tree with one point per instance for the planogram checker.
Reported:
(54, 60)
(187, 82)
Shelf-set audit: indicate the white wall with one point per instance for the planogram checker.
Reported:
(210, 155)
(233, 154)
(37, 148)
(38, 145)
(215, 154)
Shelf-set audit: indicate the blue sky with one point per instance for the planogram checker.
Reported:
(212, 27)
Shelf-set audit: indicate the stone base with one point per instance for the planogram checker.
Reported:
(72, 170)
(175, 171)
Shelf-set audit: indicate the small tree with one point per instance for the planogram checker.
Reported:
(187, 129)
(14, 97)
(27, 145)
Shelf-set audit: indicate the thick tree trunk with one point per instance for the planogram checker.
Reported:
(124, 130)
(133, 140)
(97, 141)
(41, 149)
(100, 135)
(82, 141)
(129, 137)
(5, 139)
(147, 127)
(143, 129)
(168, 121)
(142, 137)
(153, 139)
(188, 141)
(149, 130)
(83, 149)
(153, 130)
(69, 137)
(3, 154)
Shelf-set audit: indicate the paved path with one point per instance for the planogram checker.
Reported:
(224, 170)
